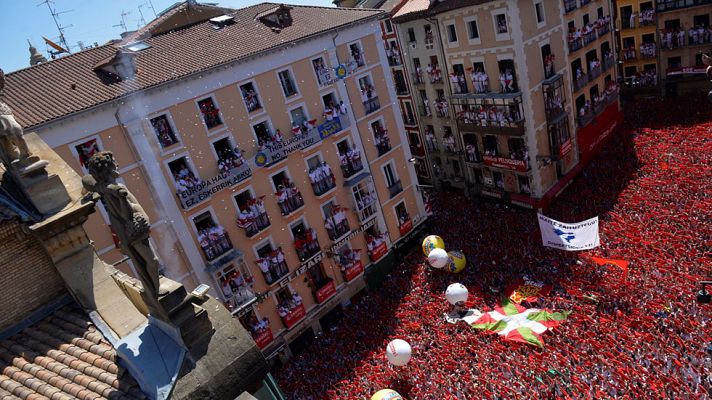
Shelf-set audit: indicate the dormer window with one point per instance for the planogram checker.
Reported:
(276, 18)
(120, 66)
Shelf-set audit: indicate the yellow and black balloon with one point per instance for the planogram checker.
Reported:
(456, 261)
(431, 243)
(386, 394)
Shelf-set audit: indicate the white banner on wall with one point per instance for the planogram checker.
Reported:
(571, 237)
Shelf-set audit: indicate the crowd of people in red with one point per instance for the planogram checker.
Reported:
(636, 338)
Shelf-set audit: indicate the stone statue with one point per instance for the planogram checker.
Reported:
(126, 216)
(13, 148)
(12, 145)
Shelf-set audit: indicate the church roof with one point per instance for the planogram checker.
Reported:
(63, 356)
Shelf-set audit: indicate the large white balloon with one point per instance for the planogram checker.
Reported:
(456, 293)
(438, 258)
(398, 352)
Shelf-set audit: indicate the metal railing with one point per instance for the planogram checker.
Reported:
(570, 5)
(580, 82)
(371, 105)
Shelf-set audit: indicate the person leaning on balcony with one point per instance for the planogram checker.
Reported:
(342, 108)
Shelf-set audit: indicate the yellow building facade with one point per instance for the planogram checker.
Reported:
(279, 177)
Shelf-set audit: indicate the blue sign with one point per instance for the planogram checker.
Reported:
(329, 128)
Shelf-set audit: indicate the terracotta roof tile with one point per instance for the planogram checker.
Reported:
(69, 84)
(52, 359)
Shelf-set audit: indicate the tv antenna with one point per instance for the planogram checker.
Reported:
(142, 20)
(150, 4)
(60, 28)
(122, 24)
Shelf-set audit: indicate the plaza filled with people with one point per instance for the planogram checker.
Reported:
(634, 335)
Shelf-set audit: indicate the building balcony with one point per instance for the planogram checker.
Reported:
(273, 266)
(431, 144)
(508, 128)
(570, 5)
(585, 119)
(211, 118)
(351, 163)
(580, 82)
(402, 90)
(367, 207)
(395, 188)
(648, 53)
(670, 5)
(292, 315)
(424, 111)
(355, 63)
(604, 29)
(589, 37)
(394, 60)
(289, 200)
(418, 78)
(215, 243)
(450, 146)
(405, 225)
(472, 156)
(254, 222)
(307, 247)
(409, 120)
(321, 183)
(417, 150)
(337, 226)
(575, 44)
(584, 2)
(608, 62)
(442, 112)
(594, 73)
(382, 142)
(371, 105)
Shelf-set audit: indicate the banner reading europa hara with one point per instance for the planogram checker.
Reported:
(570, 237)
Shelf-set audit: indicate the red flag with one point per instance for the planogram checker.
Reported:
(622, 264)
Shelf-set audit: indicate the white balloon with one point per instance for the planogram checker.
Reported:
(398, 352)
(438, 258)
(456, 293)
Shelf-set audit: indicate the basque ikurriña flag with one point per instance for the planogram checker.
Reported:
(519, 324)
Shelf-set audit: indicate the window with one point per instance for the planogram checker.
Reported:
(288, 302)
(252, 216)
(501, 24)
(472, 30)
(271, 262)
(674, 62)
(288, 87)
(305, 240)
(365, 200)
(392, 181)
(229, 157)
(350, 158)
(210, 112)
(411, 35)
(183, 175)
(451, 33)
(489, 143)
(586, 19)
(323, 74)
(539, 8)
(524, 187)
(236, 284)
(356, 55)
(256, 327)
(316, 279)
(599, 12)
(86, 149)
(368, 95)
(389, 25)
(164, 131)
(264, 133)
(320, 175)
(212, 237)
(300, 120)
(498, 179)
(402, 214)
(249, 95)
(381, 139)
(336, 220)
(289, 198)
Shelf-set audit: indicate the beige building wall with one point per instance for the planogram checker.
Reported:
(127, 130)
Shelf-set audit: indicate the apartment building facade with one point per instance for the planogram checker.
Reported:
(262, 164)
(638, 44)
(506, 78)
(684, 35)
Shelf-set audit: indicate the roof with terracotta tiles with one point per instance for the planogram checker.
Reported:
(69, 85)
(63, 357)
(415, 9)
